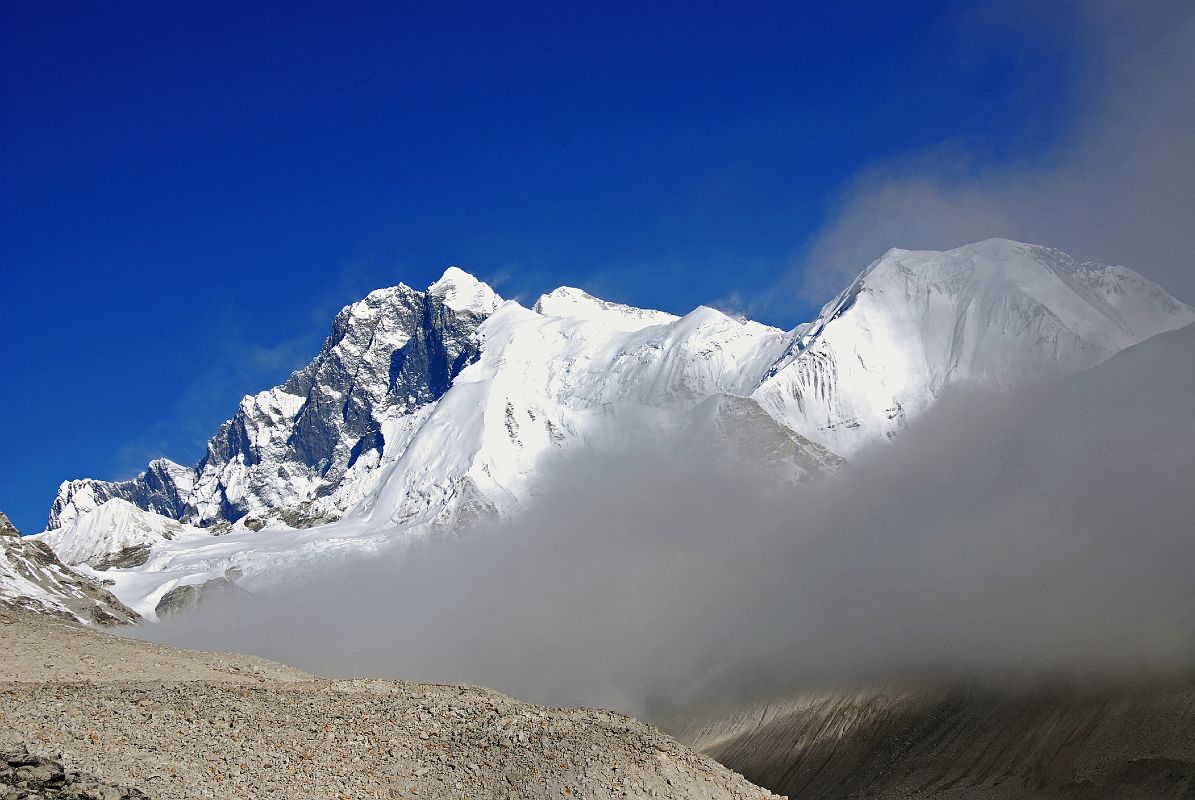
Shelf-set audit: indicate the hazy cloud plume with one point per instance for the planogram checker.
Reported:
(1119, 188)
(1041, 535)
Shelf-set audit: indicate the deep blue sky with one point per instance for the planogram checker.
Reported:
(192, 189)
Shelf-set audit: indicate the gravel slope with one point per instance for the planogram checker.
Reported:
(178, 724)
(38, 648)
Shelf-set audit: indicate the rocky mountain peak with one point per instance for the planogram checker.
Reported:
(289, 449)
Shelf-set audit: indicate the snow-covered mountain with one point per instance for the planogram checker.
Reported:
(298, 451)
(32, 578)
(424, 410)
(997, 313)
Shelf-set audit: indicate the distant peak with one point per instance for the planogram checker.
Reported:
(460, 291)
(565, 299)
(983, 258)
(995, 244)
(454, 275)
(565, 291)
(572, 303)
(166, 465)
(378, 297)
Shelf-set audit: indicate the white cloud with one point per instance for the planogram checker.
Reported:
(1119, 188)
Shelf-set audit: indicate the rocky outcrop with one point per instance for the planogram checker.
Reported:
(25, 776)
(131, 556)
(354, 382)
(183, 598)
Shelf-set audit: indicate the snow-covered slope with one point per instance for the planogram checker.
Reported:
(34, 579)
(574, 303)
(546, 382)
(425, 410)
(997, 313)
(116, 533)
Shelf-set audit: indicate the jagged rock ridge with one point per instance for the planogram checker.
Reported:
(289, 449)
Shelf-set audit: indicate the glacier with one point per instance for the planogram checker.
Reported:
(426, 410)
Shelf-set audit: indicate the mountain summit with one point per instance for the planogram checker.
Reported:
(299, 451)
(460, 291)
(425, 410)
(997, 313)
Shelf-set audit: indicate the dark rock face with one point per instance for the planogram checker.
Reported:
(1147, 779)
(344, 395)
(6, 527)
(24, 776)
(157, 490)
(390, 353)
(133, 556)
(442, 345)
(181, 599)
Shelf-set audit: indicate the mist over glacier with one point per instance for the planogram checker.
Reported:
(1040, 534)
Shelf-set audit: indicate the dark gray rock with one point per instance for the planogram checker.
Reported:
(132, 556)
(25, 776)
(182, 599)
(964, 742)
